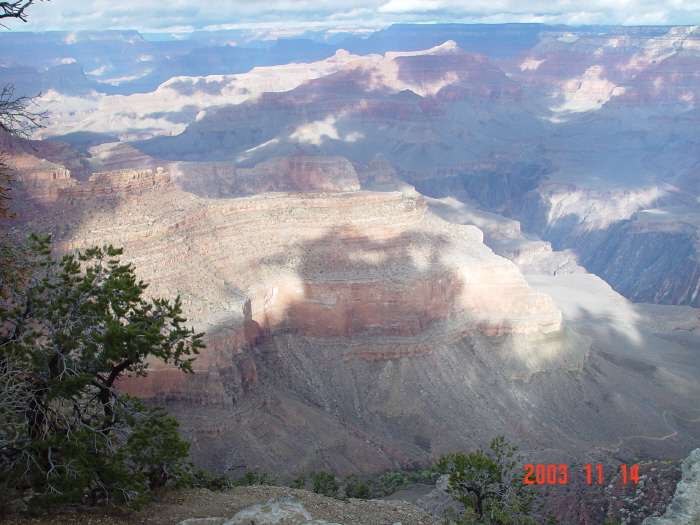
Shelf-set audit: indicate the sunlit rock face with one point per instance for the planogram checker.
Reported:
(582, 71)
(684, 508)
(416, 109)
(333, 266)
(180, 100)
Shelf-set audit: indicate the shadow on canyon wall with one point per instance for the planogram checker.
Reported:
(328, 399)
(354, 285)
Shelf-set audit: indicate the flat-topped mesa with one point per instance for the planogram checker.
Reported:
(377, 170)
(299, 172)
(415, 290)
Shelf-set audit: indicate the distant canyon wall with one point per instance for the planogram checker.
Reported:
(643, 241)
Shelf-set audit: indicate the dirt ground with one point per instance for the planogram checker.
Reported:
(172, 507)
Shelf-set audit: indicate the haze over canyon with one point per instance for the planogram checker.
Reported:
(399, 244)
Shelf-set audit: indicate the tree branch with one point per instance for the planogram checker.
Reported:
(15, 9)
(15, 119)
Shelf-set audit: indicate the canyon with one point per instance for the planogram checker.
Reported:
(407, 252)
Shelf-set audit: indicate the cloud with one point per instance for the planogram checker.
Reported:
(555, 11)
(155, 15)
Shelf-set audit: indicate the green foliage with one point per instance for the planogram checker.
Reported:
(324, 483)
(69, 331)
(391, 481)
(299, 483)
(489, 487)
(354, 488)
(449, 515)
(609, 521)
(251, 477)
(206, 479)
(154, 447)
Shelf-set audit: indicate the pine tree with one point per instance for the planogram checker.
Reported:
(69, 331)
(489, 487)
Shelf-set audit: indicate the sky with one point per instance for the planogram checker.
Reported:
(186, 15)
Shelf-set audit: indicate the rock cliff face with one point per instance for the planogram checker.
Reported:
(39, 157)
(337, 269)
(299, 172)
(685, 507)
(44, 182)
(652, 257)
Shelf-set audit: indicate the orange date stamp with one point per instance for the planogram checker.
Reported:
(559, 474)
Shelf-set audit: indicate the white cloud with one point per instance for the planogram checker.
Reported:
(155, 15)
(403, 6)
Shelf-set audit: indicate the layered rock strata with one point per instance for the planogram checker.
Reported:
(357, 331)
(45, 183)
(326, 265)
(337, 269)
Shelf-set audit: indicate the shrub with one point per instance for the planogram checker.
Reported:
(251, 477)
(324, 483)
(299, 483)
(354, 488)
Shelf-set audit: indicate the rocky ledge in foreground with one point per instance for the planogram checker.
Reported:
(246, 505)
(685, 507)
